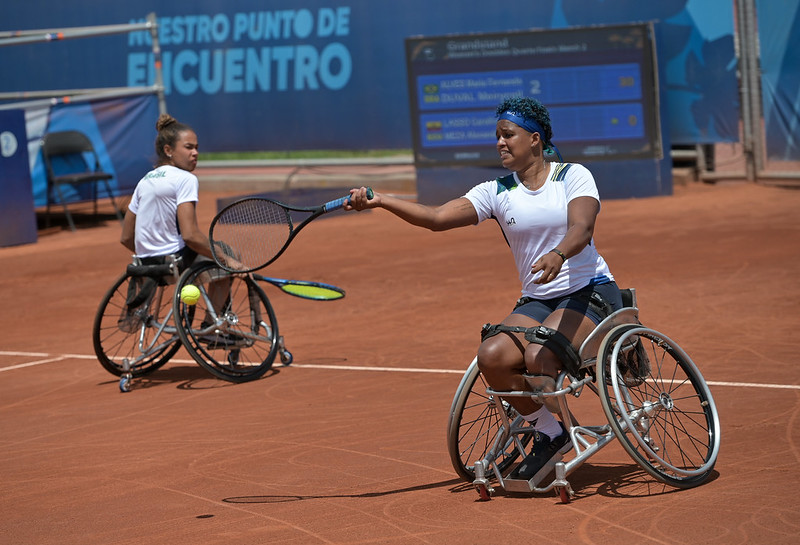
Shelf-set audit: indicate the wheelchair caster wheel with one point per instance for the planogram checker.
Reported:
(126, 383)
(564, 494)
(286, 357)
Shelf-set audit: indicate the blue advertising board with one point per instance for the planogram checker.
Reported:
(325, 74)
(17, 216)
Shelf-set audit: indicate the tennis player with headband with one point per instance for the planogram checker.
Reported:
(547, 211)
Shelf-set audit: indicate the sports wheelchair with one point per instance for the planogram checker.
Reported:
(141, 322)
(655, 400)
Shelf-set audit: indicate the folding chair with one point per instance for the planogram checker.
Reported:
(65, 158)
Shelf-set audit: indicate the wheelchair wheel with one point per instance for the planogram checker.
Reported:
(231, 331)
(141, 335)
(658, 405)
(474, 423)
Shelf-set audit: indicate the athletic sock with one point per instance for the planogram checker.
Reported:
(544, 421)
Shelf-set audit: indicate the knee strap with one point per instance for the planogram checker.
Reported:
(490, 330)
(548, 337)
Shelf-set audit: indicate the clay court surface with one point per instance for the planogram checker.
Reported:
(347, 445)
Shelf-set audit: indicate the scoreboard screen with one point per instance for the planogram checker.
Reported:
(599, 84)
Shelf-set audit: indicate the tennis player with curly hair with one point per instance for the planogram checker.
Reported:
(547, 211)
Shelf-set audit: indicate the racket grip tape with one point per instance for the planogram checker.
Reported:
(370, 195)
(340, 202)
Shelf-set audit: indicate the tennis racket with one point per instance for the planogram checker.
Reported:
(316, 291)
(256, 231)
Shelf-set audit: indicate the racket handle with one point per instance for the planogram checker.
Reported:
(370, 195)
(339, 203)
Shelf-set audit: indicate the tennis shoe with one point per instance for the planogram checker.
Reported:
(543, 450)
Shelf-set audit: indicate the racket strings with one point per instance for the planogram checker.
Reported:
(256, 231)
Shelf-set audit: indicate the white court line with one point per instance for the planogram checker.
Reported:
(390, 369)
(353, 368)
(754, 385)
(32, 363)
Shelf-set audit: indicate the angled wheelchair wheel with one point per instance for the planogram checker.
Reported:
(231, 331)
(142, 336)
(658, 405)
(473, 425)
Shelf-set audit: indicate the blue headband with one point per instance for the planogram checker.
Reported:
(529, 125)
(532, 126)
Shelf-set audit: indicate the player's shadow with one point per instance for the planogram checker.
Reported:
(289, 497)
(185, 377)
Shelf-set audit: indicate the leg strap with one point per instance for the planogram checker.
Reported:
(490, 330)
(548, 337)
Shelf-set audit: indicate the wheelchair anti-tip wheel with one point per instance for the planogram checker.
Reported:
(231, 331)
(474, 423)
(658, 405)
(126, 383)
(140, 335)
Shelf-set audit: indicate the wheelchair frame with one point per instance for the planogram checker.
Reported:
(655, 400)
(233, 334)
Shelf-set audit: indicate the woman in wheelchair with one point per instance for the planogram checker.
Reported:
(547, 211)
(230, 329)
(161, 219)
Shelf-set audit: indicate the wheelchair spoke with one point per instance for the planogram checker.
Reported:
(666, 421)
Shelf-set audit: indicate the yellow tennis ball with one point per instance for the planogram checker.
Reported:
(190, 294)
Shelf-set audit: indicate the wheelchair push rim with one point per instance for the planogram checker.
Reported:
(241, 340)
(147, 344)
(669, 425)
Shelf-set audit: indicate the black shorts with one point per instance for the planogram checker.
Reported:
(579, 301)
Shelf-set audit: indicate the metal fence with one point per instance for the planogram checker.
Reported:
(28, 99)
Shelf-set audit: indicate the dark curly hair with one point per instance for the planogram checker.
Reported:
(529, 108)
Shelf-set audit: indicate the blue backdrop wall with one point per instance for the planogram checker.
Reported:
(779, 36)
(325, 74)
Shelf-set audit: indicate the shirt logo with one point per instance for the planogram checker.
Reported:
(155, 174)
(511, 222)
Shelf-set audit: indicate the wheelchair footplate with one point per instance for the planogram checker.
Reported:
(584, 442)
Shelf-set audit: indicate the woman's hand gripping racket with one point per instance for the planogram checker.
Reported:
(256, 231)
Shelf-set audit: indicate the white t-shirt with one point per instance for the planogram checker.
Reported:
(155, 202)
(535, 222)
